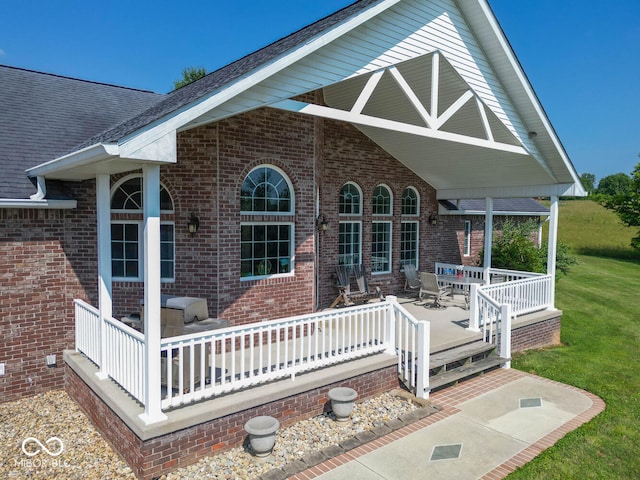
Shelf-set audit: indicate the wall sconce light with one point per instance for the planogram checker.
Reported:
(433, 219)
(194, 224)
(321, 223)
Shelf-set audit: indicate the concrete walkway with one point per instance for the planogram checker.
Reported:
(488, 427)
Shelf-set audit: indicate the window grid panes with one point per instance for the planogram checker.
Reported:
(167, 251)
(349, 243)
(128, 197)
(350, 202)
(266, 190)
(265, 249)
(410, 202)
(124, 250)
(467, 237)
(381, 247)
(409, 243)
(381, 201)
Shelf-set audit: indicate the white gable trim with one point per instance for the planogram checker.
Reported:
(176, 120)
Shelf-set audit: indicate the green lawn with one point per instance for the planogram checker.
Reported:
(600, 351)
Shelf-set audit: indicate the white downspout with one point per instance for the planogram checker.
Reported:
(552, 248)
(41, 183)
(105, 296)
(151, 206)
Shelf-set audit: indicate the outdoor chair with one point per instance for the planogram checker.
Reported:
(431, 287)
(346, 295)
(411, 280)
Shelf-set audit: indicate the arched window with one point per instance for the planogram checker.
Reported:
(266, 247)
(126, 233)
(410, 202)
(349, 234)
(410, 227)
(382, 200)
(382, 204)
(266, 189)
(350, 202)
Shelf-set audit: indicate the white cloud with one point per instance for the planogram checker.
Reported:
(2, 54)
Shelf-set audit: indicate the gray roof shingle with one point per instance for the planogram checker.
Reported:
(43, 115)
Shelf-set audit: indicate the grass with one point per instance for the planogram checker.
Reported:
(599, 351)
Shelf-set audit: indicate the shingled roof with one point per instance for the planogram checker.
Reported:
(44, 115)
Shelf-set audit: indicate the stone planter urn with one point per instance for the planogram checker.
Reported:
(262, 434)
(342, 399)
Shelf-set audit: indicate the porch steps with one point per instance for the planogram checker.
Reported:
(451, 366)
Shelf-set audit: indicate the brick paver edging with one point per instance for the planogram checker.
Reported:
(448, 399)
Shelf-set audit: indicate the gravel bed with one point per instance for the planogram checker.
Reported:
(86, 455)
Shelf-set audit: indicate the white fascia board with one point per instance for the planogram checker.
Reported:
(527, 88)
(85, 156)
(520, 191)
(26, 203)
(175, 120)
(443, 211)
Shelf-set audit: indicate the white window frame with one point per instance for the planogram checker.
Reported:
(390, 212)
(414, 190)
(292, 206)
(389, 251)
(360, 204)
(359, 243)
(291, 242)
(140, 224)
(417, 241)
(467, 238)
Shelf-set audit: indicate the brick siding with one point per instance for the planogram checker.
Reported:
(158, 456)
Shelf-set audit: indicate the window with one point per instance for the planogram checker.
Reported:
(467, 238)
(382, 200)
(349, 243)
(350, 200)
(409, 243)
(126, 234)
(381, 247)
(409, 228)
(266, 247)
(410, 202)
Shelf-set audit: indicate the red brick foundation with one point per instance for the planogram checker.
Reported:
(152, 458)
(536, 335)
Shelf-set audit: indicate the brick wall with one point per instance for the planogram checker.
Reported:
(154, 457)
(537, 335)
(38, 281)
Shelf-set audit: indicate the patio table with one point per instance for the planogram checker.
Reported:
(460, 283)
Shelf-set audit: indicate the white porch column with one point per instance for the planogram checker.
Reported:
(105, 297)
(151, 201)
(488, 238)
(552, 247)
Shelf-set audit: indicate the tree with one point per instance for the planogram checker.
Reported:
(189, 75)
(513, 249)
(627, 204)
(616, 184)
(588, 182)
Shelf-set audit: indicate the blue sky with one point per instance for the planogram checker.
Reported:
(582, 57)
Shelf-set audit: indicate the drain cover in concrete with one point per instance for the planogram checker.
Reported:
(530, 402)
(446, 452)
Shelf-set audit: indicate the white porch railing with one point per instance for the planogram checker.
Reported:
(88, 337)
(524, 292)
(495, 323)
(203, 365)
(413, 348)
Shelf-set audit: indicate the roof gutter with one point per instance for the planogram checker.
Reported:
(27, 203)
(94, 153)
